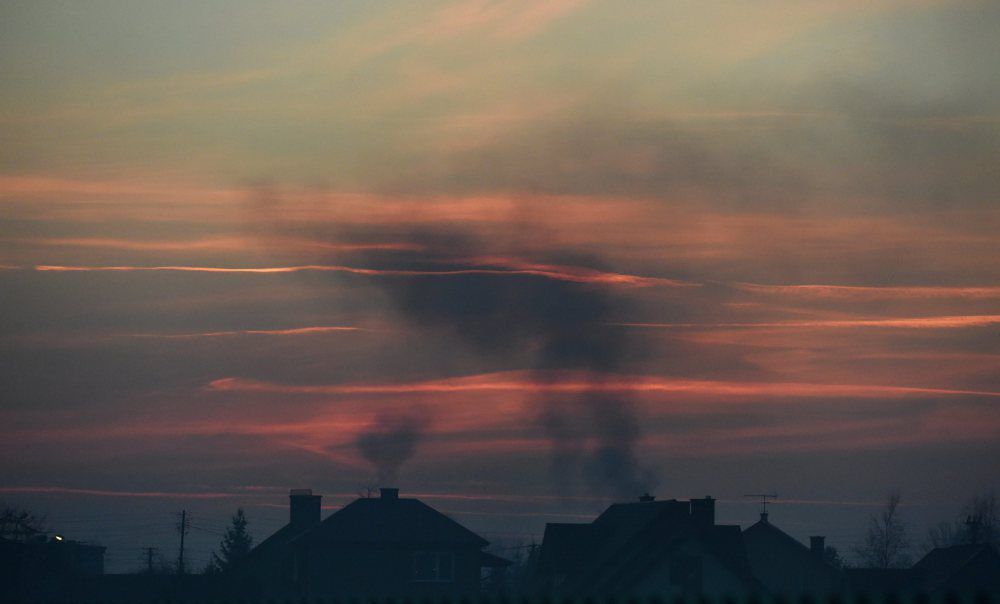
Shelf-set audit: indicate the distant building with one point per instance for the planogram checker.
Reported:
(372, 547)
(43, 569)
(960, 569)
(786, 567)
(963, 570)
(664, 548)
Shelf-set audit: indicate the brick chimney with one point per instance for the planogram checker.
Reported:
(387, 494)
(304, 508)
(703, 511)
(817, 544)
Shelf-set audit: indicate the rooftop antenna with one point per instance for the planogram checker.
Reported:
(763, 502)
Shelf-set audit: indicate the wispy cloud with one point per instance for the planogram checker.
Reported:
(59, 490)
(230, 244)
(571, 382)
(548, 271)
(295, 331)
(947, 322)
(870, 292)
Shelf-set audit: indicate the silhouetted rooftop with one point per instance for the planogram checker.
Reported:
(390, 520)
(943, 564)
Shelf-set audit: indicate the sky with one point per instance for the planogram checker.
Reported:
(520, 259)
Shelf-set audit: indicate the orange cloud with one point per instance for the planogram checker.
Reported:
(48, 186)
(574, 382)
(870, 293)
(295, 331)
(901, 323)
(577, 275)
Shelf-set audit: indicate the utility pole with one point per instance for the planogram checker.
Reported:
(182, 528)
(149, 558)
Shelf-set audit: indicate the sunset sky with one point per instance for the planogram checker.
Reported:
(521, 259)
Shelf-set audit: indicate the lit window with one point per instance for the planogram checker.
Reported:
(433, 566)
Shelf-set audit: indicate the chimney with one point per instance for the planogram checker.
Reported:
(304, 508)
(817, 544)
(388, 494)
(703, 511)
(646, 497)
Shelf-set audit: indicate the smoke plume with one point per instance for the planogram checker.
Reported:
(388, 442)
(551, 326)
(515, 319)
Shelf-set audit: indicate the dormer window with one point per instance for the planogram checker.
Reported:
(436, 567)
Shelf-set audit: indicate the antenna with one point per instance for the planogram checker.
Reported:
(763, 502)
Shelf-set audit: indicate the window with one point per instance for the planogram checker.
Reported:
(433, 566)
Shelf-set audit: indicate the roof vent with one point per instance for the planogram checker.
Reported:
(387, 493)
(646, 497)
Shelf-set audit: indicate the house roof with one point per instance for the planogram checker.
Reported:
(629, 565)
(942, 564)
(614, 553)
(390, 520)
(765, 535)
(268, 553)
(565, 547)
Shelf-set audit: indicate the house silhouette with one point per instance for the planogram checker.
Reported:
(373, 547)
(42, 568)
(959, 570)
(663, 548)
(786, 567)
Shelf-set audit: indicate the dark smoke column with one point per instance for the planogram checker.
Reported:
(556, 327)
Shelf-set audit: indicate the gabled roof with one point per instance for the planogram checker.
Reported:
(615, 552)
(763, 531)
(269, 553)
(390, 520)
(629, 565)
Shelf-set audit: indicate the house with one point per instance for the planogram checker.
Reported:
(785, 566)
(968, 569)
(43, 568)
(880, 582)
(269, 569)
(963, 570)
(373, 547)
(664, 548)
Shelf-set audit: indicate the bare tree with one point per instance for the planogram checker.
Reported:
(18, 524)
(979, 522)
(885, 544)
(942, 534)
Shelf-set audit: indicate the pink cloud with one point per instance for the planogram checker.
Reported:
(574, 382)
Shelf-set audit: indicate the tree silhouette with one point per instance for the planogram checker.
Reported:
(832, 557)
(982, 524)
(18, 524)
(235, 545)
(978, 523)
(885, 544)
